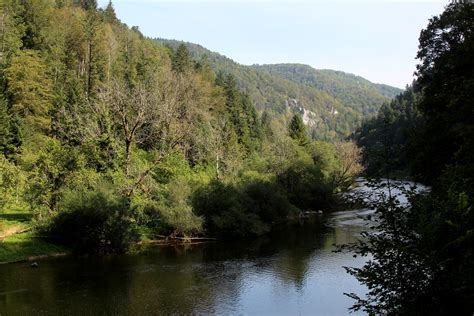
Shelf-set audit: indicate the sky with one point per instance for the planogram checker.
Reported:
(377, 40)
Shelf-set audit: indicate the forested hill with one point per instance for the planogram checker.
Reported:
(332, 103)
(354, 91)
(108, 138)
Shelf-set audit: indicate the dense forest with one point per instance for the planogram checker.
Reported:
(423, 262)
(333, 103)
(108, 138)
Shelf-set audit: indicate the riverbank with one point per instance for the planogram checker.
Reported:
(289, 271)
(28, 247)
(19, 243)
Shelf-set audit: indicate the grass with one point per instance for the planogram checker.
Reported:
(16, 246)
(13, 221)
(22, 246)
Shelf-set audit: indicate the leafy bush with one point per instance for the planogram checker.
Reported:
(306, 187)
(97, 221)
(177, 211)
(243, 209)
(12, 183)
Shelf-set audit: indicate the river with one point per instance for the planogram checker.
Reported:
(290, 272)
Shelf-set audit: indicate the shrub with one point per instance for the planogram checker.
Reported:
(306, 187)
(240, 210)
(177, 211)
(94, 221)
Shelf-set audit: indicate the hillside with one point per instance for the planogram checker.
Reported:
(354, 91)
(332, 103)
(108, 138)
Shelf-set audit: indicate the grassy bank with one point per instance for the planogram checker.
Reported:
(17, 243)
(26, 246)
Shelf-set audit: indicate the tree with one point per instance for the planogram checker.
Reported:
(37, 16)
(12, 29)
(10, 133)
(96, 56)
(181, 59)
(350, 166)
(132, 108)
(29, 88)
(445, 77)
(109, 13)
(422, 252)
(88, 5)
(297, 130)
(397, 274)
(241, 113)
(386, 138)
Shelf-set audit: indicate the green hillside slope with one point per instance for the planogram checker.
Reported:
(332, 103)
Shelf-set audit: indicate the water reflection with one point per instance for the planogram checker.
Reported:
(290, 272)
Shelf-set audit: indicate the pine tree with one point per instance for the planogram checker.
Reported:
(12, 29)
(10, 135)
(297, 130)
(181, 59)
(109, 13)
(88, 4)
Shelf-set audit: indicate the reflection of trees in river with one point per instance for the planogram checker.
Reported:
(181, 280)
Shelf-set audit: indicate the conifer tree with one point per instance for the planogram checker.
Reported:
(109, 13)
(10, 134)
(297, 130)
(181, 59)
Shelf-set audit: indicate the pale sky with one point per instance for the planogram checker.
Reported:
(377, 40)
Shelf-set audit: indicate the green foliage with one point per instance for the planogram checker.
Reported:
(53, 169)
(94, 221)
(397, 275)
(385, 138)
(297, 130)
(177, 211)
(423, 260)
(12, 183)
(353, 91)
(109, 13)
(241, 112)
(446, 80)
(29, 88)
(12, 29)
(241, 210)
(107, 137)
(10, 130)
(422, 263)
(181, 60)
(323, 92)
(37, 18)
(325, 156)
(306, 187)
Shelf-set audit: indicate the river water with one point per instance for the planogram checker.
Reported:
(290, 272)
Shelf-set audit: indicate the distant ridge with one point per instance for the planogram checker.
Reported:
(334, 103)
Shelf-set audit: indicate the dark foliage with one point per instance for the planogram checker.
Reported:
(241, 211)
(96, 221)
(386, 138)
(306, 187)
(446, 81)
(422, 254)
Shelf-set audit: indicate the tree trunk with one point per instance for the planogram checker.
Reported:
(128, 144)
